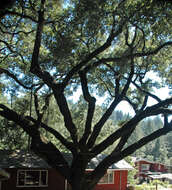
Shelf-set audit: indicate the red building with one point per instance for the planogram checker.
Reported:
(118, 181)
(116, 176)
(29, 172)
(148, 170)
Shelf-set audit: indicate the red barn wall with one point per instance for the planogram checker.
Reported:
(139, 164)
(159, 167)
(156, 167)
(120, 182)
(55, 181)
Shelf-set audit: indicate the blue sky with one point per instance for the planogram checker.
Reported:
(162, 93)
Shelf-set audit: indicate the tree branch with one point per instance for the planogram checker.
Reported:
(123, 141)
(101, 122)
(127, 38)
(133, 105)
(144, 103)
(35, 55)
(15, 78)
(46, 150)
(147, 93)
(154, 51)
(48, 79)
(94, 53)
(91, 106)
(125, 89)
(64, 109)
(99, 125)
(117, 79)
(114, 136)
(58, 136)
(21, 15)
(132, 148)
(109, 160)
(127, 127)
(15, 33)
(138, 54)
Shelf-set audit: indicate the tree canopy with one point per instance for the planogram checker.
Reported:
(102, 47)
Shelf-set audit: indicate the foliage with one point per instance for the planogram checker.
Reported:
(145, 187)
(51, 49)
(12, 136)
(131, 173)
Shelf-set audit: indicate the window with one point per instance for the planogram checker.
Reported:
(145, 167)
(107, 178)
(32, 178)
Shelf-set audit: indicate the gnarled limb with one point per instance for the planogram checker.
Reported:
(64, 109)
(96, 52)
(58, 136)
(91, 107)
(34, 68)
(15, 78)
(101, 122)
(99, 125)
(130, 125)
(115, 157)
(44, 149)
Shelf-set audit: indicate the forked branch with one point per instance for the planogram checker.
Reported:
(91, 106)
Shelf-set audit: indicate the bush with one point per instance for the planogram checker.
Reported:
(139, 187)
(145, 187)
(131, 187)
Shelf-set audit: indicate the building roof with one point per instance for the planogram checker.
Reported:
(143, 159)
(20, 159)
(167, 176)
(146, 160)
(161, 176)
(120, 165)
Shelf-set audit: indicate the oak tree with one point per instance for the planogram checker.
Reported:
(103, 47)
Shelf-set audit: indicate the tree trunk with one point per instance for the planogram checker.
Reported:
(79, 185)
(80, 179)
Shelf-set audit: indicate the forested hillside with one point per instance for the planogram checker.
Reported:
(159, 150)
